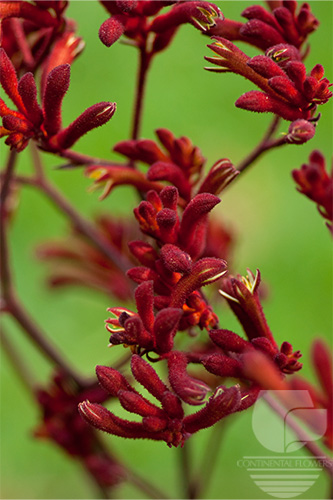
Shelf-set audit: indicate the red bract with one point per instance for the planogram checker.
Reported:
(43, 124)
(287, 90)
(285, 24)
(132, 19)
(160, 423)
(317, 184)
(62, 425)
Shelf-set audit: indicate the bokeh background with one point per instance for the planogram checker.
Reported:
(276, 229)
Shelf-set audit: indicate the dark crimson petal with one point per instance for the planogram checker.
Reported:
(261, 33)
(220, 175)
(103, 419)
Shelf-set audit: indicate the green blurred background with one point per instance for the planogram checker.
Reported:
(277, 230)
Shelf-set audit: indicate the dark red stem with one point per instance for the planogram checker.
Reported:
(144, 63)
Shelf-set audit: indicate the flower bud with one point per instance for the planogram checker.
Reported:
(93, 117)
(300, 131)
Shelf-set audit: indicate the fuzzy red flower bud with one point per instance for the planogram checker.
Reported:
(111, 380)
(93, 117)
(111, 30)
(28, 92)
(300, 131)
(148, 378)
(194, 222)
(8, 80)
(223, 365)
(229, 341)
(175, 260)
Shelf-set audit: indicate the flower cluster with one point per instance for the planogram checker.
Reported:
(281, 75)
(317, 184)
(178, 162)
(178, 349)
(43, 123)
(284, 24)
(170, 278)
(133, 20)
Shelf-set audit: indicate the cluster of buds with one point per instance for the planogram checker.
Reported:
(62, 424)
(134, 19)
(43, 123)
(179, 163)
(281, 75)
(284, 24)
(170, 278)
(160, 423)
(317, 184)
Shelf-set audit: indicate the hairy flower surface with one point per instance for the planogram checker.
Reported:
(43, 123)
(286, 90)
(167, 421)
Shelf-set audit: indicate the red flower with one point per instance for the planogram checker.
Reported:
(287, 90)
(43, 124)
(243, 298)
(132, 20)
(317, 184)
(263, 29)
(160, 423)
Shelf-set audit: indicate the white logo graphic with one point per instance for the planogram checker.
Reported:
(283, 475)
